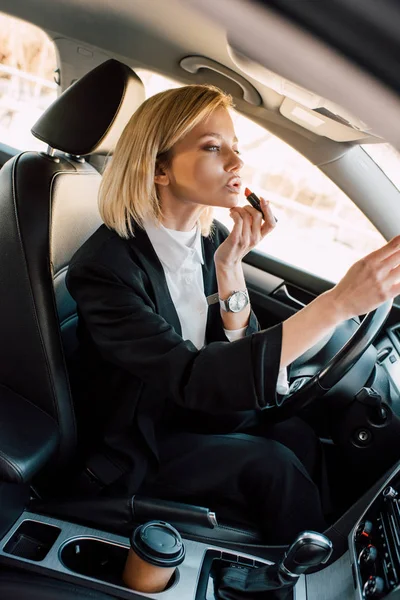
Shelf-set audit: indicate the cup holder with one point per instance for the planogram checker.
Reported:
(98, 559)
(95, 558)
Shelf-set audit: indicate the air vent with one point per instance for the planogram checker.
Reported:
(389, 550)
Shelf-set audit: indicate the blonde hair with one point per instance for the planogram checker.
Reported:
(128, 193)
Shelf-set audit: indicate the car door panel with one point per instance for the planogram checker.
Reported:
(277, 289)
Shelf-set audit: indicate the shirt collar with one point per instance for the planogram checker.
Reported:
(171, 252)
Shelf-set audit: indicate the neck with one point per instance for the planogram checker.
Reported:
(178, 214)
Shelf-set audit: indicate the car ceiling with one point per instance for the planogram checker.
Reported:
(157, 35)
(283, 44)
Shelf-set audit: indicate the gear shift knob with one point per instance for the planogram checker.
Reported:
(277, 580)
(309, 549)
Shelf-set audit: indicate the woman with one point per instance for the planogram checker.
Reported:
(177, 384)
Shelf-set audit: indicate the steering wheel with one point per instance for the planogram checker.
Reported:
(310, 389)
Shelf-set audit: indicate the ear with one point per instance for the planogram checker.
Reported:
(161, 175)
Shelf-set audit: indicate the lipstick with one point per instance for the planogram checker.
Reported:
(255, 201)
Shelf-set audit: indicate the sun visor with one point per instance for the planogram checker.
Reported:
(321, 121)
(309, 110)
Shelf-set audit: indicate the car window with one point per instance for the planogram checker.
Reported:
(320, 230)
(27, 87)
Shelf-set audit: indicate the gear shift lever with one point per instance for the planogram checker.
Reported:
(309, 549)
(275, 582)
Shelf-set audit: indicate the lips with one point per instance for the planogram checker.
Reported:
(234, 184)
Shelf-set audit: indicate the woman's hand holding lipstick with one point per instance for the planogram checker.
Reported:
(251, 225)
(254, 201)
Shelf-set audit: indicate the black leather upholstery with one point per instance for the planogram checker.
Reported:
(31, 357)
(120, 515)
(91, 114)
(48, 208)
(25, 449)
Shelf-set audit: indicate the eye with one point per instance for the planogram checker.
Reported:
(212, 148)
(237, 152)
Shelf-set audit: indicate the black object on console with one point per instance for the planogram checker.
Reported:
(146, 509)
(121, 514)
(241, 583)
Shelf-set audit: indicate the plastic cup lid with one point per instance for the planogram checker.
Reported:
(159, 544)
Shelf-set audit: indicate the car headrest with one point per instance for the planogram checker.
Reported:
(91, 114)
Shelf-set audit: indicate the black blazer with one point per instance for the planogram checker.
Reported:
(133, 373)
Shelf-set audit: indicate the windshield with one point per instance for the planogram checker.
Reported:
(387, 158)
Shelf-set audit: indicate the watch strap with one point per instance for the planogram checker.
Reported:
(213, 299)
(224, 304)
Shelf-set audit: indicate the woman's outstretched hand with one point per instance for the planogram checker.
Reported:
(367, 284)
(249, 229)
(370, 281)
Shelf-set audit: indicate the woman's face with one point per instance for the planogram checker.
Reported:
(205, 166)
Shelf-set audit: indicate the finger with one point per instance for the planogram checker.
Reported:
(391, 262)
(393, 277)
(256, 225)
(247, 218)
(236, 233)
(387, 250)
(269, 219)
(256, 220)
(256, 214)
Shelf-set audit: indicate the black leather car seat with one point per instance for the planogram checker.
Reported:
(48, 208)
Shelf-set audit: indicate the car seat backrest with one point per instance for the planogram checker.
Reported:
(48, 208)
(75, 217)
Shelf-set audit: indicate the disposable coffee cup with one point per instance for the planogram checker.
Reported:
(156, 550)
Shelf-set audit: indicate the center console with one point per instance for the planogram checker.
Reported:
(96, 559)
(86, 556)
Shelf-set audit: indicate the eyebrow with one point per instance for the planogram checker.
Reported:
(216, 135)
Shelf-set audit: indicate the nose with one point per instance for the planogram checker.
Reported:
(235, 163)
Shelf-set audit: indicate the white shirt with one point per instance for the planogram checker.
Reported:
(180, 253)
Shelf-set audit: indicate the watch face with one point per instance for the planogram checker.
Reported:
(237, 301)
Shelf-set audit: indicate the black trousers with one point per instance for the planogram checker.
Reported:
(265, 474)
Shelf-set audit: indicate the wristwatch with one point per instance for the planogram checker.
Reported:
(236, 302)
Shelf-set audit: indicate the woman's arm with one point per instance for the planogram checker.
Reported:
(367, 284)
(248, 230)
(307, 327)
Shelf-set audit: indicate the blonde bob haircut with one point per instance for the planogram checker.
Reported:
(128, 193)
